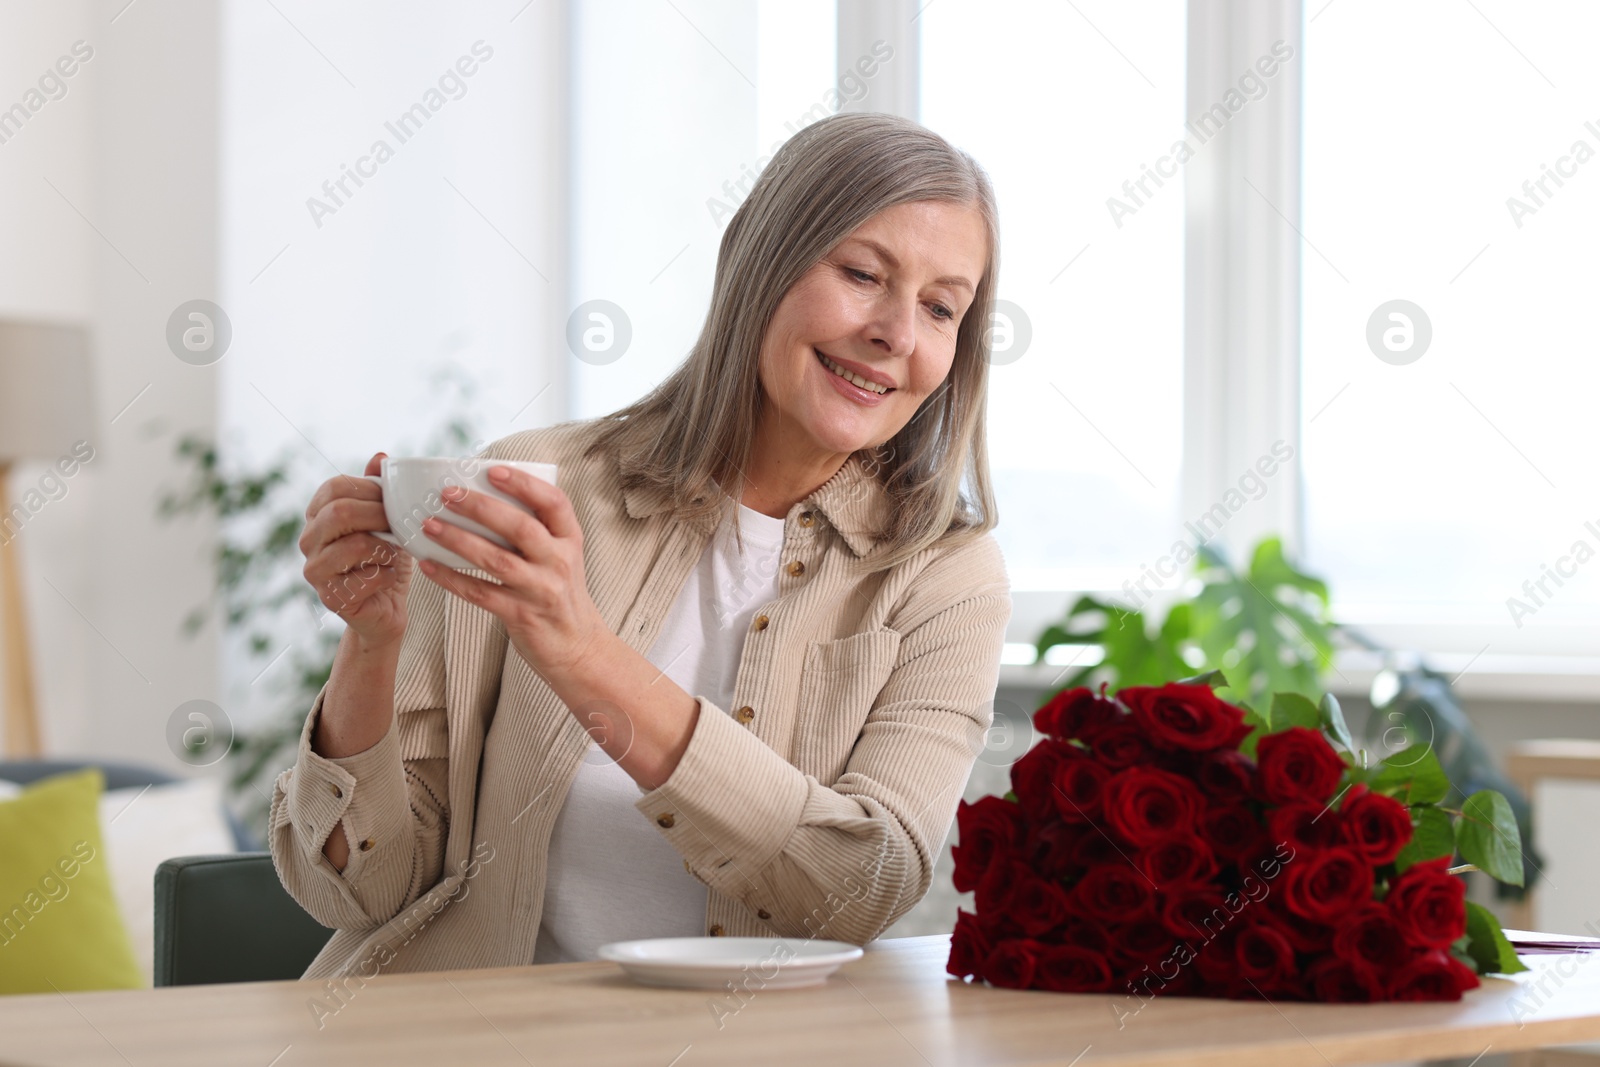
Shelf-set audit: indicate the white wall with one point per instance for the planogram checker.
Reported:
(132, 147)
(726, 79)
(49, 274)
(450, 254)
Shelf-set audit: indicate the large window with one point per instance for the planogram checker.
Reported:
(1063, 105)
(1450, 164)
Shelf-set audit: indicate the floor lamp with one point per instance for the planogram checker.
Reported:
(45, 407)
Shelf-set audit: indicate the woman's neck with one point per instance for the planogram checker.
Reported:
(775, 497)
(777, 478)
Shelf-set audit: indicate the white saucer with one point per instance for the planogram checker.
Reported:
(713, 962)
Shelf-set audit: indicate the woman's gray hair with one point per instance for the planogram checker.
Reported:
(697, 426)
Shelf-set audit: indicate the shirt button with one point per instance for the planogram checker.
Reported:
(763, 913)
(716, 930)
(665, 820)
(366, 846)
(745, 714)
(797, 568)
(761, 622)
(337, 791)
(688, 868)
(805, 518)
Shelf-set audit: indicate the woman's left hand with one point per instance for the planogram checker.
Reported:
(544, 600)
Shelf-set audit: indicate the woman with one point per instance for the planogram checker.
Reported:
(734, 675)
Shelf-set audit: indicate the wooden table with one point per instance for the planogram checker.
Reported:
(894, 1006)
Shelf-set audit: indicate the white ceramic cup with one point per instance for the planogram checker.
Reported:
(412, 490)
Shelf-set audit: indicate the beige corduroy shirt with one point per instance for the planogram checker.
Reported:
(813, 808)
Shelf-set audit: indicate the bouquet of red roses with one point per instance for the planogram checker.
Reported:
(1164, 841)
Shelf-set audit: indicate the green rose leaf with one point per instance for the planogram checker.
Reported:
(1432, 835)
(1412, 776)
(1235, 687)
(1214, 679)
(1487, 944)
(1333, 722)
(1259, 727)
(1487, 837)
(1292, 709)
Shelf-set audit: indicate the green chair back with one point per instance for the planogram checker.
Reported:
(229, 919)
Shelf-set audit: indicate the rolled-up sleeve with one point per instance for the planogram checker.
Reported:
(846, 861)
(391, 798)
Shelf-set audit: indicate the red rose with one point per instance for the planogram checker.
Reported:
(1146, 805)
(1233, 831)
(1227, 775)
(1039, 906)
(1304, 934)
(1178, 860)
(1324, 886)
(1297, 764)
(1374, 825)
(1432, 975)
(1121, 744)
(968, 947)
(1185, 983)
(1086, 934)
(1264, 955)
(1095, 849)
(1075, 713)
(1308, 827)
(1033, 776)
(997, 889)
(1369, 937)
(1070, 969)
(1195, 912)
(991, 826)
(1338, 981)
(1187, 718)
(1215, 961)
(1428, 905)
(1053, 848)
(1078, 787)
(1011, 962)
(1114, 892)
(998, 926)
(1143, 941)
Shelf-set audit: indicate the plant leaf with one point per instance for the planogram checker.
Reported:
(1270, 623)
(1432, 835)
(1130, 655)
(1333, 722)
(1412, 776)
(1487, 944)
(1292, 709)
(1215, 679)
(1487, 836)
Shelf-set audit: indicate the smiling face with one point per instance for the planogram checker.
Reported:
(884, 305)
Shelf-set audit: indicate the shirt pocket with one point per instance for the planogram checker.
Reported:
(839, 682)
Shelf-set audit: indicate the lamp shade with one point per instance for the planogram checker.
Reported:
(45, 400)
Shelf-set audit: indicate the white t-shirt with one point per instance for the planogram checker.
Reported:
(612, 876)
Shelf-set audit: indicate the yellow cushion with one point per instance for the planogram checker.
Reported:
(59, 924)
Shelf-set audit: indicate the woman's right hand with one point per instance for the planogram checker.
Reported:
(358, 577)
